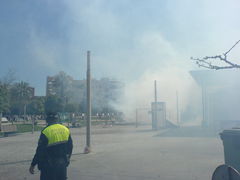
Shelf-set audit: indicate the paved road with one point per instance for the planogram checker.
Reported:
(122, 153)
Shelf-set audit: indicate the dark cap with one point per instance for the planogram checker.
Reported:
(51, 116)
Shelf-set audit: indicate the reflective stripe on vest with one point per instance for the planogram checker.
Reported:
(56, 134)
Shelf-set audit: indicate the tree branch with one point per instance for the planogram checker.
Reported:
(206, 61)
(231, 48)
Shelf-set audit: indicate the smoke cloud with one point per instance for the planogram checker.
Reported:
(132, 41)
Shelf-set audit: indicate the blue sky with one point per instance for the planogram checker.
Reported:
(127, 38)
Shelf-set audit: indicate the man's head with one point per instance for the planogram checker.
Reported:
(51, 117)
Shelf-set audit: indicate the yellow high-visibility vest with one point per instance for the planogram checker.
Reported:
(56, 134)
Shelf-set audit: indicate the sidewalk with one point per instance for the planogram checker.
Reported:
(121, 153)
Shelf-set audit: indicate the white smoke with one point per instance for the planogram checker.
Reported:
(163, 63)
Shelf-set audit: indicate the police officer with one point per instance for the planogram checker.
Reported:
(53, 151)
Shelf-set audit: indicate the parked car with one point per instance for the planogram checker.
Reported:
(4, 120)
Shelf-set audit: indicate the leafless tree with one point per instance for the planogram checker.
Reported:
(211, 61)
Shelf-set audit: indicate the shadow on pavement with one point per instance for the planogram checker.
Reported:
(145, 131)
(189, 131)
(28, 160)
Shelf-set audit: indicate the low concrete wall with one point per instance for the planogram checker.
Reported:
(8, 128)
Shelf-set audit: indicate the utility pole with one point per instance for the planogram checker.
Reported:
(136, 117)
(89, 112)
(155, 99)
(203, 105)
(178, 123)
(24, 111)
(33, 125)
(155, 90)
(0, 121)
(154, 109)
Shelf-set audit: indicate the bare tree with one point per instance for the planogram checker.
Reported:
(211, 61)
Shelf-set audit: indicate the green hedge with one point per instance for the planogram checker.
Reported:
(27, 128)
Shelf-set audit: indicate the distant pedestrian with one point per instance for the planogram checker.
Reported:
(53, 151)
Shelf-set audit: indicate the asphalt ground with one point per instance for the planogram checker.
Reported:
(123, 153)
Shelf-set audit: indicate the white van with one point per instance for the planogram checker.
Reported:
(4, 120)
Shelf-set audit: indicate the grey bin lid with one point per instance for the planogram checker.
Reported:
(230, 132)
(225, 172)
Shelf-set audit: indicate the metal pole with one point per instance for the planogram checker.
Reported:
(24, 112)
(0, 121)
(177, 109)
(203, 119)
(155, 105)
(33, 125)
(88, 127)
(155, 90)
(136, 118)
(207, 112)
(203, 105)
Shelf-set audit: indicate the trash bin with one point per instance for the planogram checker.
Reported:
(231, 144)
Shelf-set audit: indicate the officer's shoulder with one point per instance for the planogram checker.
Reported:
(44, 128)
(63, 126)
